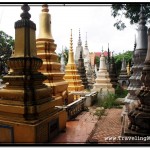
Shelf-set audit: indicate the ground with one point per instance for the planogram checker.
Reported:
(88, 127)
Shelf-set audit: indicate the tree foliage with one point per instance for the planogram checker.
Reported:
(6, 47)
(130, 11)
(119, 57)
(66, 51)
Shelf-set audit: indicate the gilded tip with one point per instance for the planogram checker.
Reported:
(45, 8)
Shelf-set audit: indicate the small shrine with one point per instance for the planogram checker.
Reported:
(123, 78)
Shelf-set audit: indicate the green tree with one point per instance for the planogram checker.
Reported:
(129, 11)
(66, 51)
(118, 59)
(6, 47)
(97, 60)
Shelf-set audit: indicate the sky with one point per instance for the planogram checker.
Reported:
(95, 20)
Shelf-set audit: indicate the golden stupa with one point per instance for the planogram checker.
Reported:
(27, 110)
(46, 51)
(71, 72)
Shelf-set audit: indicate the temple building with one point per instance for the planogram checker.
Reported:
(86, 54)
(79, 48)
(46, 51)
(112, 72)
(27, 110)
(123, 78)
(139, 55)
(103, 84)
(71, 74)
(82, 71)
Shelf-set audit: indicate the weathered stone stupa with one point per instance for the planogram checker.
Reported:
(90, 76)
(140, 116)
(79, 48)
(123, 78)
(27, 112)
(72, 76)
(113, 73)
(103, 81)
(46, 51)
(62, 62)
(86, 55)
(82, 71)
(139, 55)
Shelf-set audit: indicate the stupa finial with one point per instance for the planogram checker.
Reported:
(45, 8)
(86, 45)
(142, 16)
(79, 41)
(71, 47)
(25, 14)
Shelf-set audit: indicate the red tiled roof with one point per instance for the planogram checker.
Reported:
(99, 53)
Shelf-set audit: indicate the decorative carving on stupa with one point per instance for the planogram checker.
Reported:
(82, 71)
(71, 74)
(139, 54)
(86, 54)
(103, 81)
(27, 109)
(112, 72)
(139, 118)
(62, 62)
(46, 51)
(123, 78)
(79, 48)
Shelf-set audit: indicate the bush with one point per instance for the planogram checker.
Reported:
(120, 92)
(109, 101)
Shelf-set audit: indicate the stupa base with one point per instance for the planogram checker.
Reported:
(132, 137)
(38, 131)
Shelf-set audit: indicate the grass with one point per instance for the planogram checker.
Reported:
(110, 100)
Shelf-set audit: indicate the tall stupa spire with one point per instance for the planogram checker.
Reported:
(45, 26)
(79, 48)
(142, 31)
(79, 41)
(71, 54)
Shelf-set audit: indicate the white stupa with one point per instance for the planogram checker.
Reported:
(103, 84)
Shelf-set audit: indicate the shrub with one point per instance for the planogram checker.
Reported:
(120, 92)
(109, 101)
